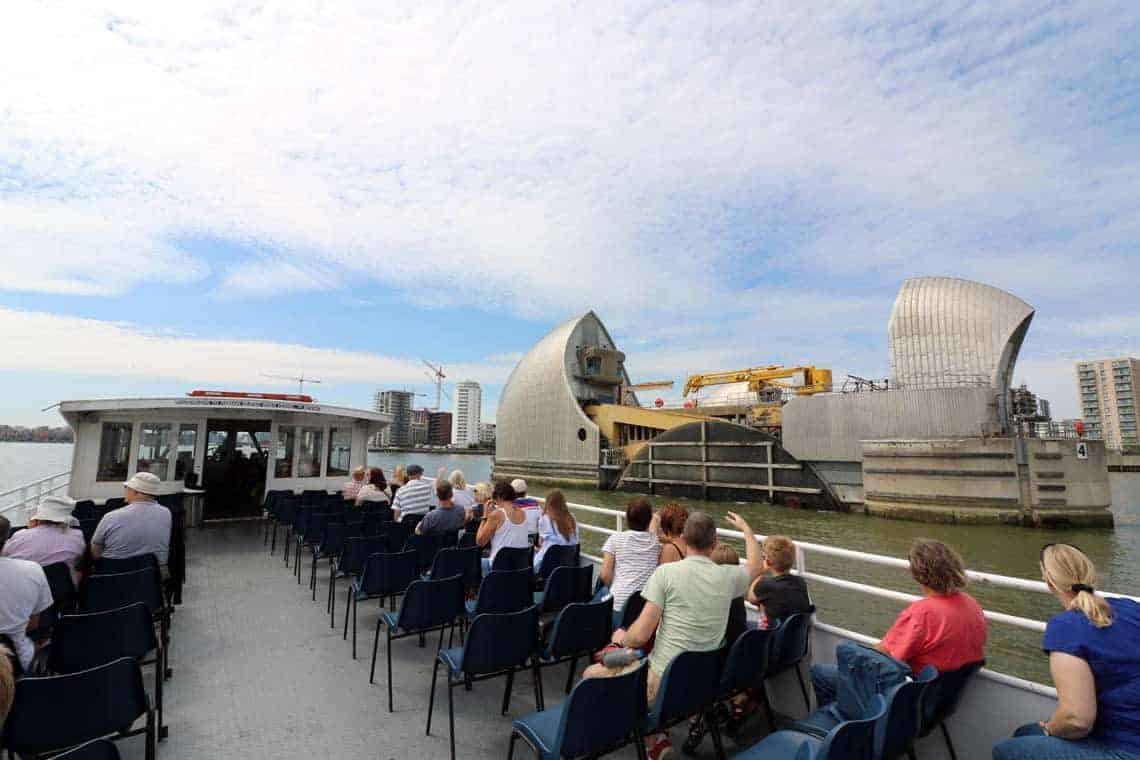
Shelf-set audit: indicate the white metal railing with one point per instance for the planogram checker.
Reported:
(28, 496)
(987, 579)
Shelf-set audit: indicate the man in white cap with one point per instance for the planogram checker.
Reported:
(49, 537)
(24, 594)
(530, 507)
(140, 527)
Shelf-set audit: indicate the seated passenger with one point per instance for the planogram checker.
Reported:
(556, 526)
(630, 557)
(463, 496)
(142, 526)
(49, 537)
(7, 683)
(531, 507)
(449, 518)
(779, 594)
(504, 526)
(416, 497)
(687, 604)
(670, 531)
(1093, 658)
(24, 594)
(376, 490)
(945, 628)
(724, 554)
(350, 489)
(482, 493)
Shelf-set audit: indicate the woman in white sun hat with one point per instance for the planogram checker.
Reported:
(49, 537)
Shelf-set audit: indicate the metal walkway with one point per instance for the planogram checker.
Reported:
(259, 674)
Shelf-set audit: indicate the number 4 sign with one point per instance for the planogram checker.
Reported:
(1082, 450)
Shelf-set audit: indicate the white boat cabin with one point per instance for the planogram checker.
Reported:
(235, 446)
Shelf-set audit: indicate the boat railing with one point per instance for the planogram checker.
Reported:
(803, 548)
(16, 503)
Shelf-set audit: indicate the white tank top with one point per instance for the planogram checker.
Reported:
(510, 535)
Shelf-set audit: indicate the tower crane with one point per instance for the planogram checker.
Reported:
(300, 381)
(438, 376)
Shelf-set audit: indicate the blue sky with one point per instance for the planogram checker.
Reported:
(192, 195)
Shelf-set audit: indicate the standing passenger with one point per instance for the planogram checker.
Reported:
(1093, 658)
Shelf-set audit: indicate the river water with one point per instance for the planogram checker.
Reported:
(998, 549)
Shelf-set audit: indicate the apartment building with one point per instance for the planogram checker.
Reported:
(1107, 392)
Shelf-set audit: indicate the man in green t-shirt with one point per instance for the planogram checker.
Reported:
(687, 604)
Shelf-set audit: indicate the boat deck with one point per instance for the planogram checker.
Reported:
(258, 673)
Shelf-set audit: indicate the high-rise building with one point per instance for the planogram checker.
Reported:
(487, 432)
(418, 426)
(439, 429)
(1107, 391)
(399, 405)
(468, 413)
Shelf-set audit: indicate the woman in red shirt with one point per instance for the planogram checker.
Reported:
(945, 628)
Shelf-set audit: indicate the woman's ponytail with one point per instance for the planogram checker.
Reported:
(1070, 570)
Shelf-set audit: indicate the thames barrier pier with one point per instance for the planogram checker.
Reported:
(938, 442)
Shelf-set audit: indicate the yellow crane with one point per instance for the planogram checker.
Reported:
(803, 381)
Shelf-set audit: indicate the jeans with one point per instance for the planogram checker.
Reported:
(486, 561)
(1030, 743)
(825, 681)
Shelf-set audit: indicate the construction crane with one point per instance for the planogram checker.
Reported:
(300, 381)
(652, 385)
(437, 376)
(803, 381)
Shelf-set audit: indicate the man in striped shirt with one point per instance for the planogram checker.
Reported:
(416, 497)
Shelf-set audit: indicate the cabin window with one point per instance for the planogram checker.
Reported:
(187, 439)
(283, 454)
(309, 462)
(154, 449)
(114, 451)
(340, 451)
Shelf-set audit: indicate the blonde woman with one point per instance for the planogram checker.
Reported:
(463, 496)
(399, 478)
(1093, 658)
(482, 493)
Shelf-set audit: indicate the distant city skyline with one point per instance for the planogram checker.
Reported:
(200, 194)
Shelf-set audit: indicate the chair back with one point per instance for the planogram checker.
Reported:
(88, 528)
(432, 603)
(504, 591)
(376, 522)
(514, 558)
(91, 639)
(108, 566)
(108, 592)
(313, 497)
(633, 607)
(287, 506)
(791, 642)
(96, 702)
(337, 534)
(425, 548)
(100, 749)
(747, 661)
(941, 698)
(301, 518)
(690, 684)
(387, 574)
(62, 585)
(852, 739)
(497, 641)
(458, 561)
(171, 501)
(85, 510)
(467, 539)
(397, 535)
(904, 714)
(335, 503)
(315, 527)
(568, 585)
(357, 550)
(558, 556)
(601, 714)
(581, 628)
(113, 503)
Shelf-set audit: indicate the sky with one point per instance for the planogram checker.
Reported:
(196, 195)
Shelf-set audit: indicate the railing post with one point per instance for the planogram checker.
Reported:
(619, 522)
(801, 564)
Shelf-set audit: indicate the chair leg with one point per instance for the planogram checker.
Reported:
(151, 736)
(313, 577)
(714, 729)
(355, 604)
(288, 540)
(507, 690)
(329, 604)
(347, 599)
(949, 744)
(803, 688)
(375, 647)
(570, 674)
(158, 679)
(451, 715)
(539, 700)
(639, 744)
(511, 746)
(431, 697)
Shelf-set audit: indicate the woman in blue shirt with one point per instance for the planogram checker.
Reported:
(556, 526)
(1093, 657)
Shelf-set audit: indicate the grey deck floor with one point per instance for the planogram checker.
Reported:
(259, 674)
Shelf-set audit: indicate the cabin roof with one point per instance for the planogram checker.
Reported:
(69, 409)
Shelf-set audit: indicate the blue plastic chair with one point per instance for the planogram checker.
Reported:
(88, 640)
(566, 586)
(502, 591)
(99, 749)
(556, 556)
(384, 576)
(310, 537)
(514, 558)
(904, 716)
(600, 716)
(286, 511)
(428, 605)
(790, 647)
(497, 645)
(35, 728)
(462, 561)
(850, 740)
(941, 700)
(580, 629)
(330, 546)
(100, 593)
(425, 548)
(271, 505)
(297, 527)
(350, 564)
(689, 686)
